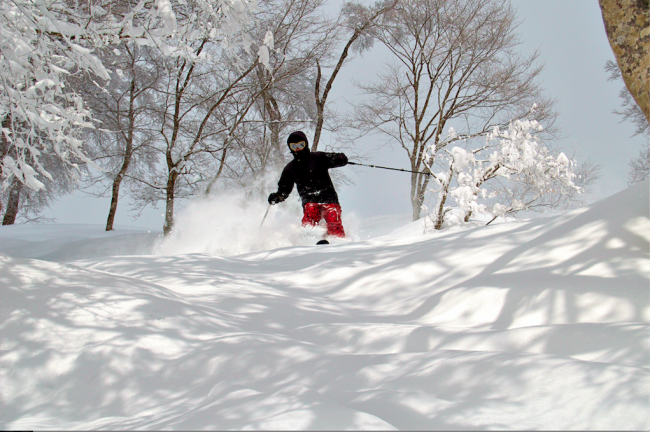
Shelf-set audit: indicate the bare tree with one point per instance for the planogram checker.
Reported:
(361, 20)
(303, 35)
(630, 110)
(627, 24)
(288, 89)
(305, 38)
(454, 64)
(282, 89)
(640, 166)
(123, 136)
(190, 138)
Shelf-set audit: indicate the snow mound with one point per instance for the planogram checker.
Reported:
(541, 324)
(66, 242)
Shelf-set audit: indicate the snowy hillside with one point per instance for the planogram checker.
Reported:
(541, 324)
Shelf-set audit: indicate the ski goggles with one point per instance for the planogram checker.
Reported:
(297, 146)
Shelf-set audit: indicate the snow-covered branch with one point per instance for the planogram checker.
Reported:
(515, 155)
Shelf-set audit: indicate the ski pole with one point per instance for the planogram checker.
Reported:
(394, 169)
(267, 212)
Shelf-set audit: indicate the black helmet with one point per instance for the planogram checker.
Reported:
(297, 137)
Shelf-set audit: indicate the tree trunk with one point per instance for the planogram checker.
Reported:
(116, 185)
(118, 180)
(114, 197)
(416, 205)
(271, 108)
(627, 24)
(322, 99)
(4, 144)
(13, 202)
(128, 154)
(417, 197)
(222, 163)
(320, 108)
(440, 219)
(275, 136)
(275, 119)
(169, 203)
(416, 208)
(419, 183)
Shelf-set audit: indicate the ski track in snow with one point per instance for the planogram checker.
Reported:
(541, 324)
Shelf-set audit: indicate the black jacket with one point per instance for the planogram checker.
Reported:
(308, 170)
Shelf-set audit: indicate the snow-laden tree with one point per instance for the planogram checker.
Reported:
(22, 204)
(40, 45)
(19, 202)
(512, 171)
(43, 42)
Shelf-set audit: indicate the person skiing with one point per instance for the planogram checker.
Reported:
(309, 171)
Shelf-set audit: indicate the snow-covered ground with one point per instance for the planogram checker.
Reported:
(542, 324)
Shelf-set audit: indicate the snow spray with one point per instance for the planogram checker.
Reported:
(228, 223)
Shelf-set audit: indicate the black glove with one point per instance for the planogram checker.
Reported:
(275, 198)
(341, 160)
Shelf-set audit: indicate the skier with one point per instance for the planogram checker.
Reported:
(309, 172)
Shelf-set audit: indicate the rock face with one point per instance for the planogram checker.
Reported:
(627, 23)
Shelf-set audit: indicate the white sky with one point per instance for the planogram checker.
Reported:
(572, 42)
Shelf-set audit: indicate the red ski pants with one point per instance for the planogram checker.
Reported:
(313, 213)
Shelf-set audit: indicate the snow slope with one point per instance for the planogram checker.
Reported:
(64, 242)
(541, 324)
